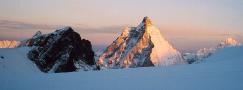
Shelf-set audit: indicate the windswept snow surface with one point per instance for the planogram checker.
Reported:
(14, 60)
(222, 71)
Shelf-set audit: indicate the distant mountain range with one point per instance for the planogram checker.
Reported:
(204, 53)
(9, 44)
(143, 46)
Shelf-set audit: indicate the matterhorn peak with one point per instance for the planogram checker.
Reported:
(147, 21)
(140, 46)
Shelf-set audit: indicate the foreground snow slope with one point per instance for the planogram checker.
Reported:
(15, 60)
(222, 71)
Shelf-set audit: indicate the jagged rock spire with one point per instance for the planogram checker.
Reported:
(61, 51)
(38, 33)
(140, 46)
(147, 21)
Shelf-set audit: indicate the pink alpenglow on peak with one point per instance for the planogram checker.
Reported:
(229, 42)
(204, 53)
(9, 44)
(140, 46)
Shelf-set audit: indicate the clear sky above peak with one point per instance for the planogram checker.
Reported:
(189, 13)
(223, 16)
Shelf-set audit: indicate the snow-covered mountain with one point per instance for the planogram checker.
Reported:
(9, 44)
(140, 46)
(206, 52)
(229, 42)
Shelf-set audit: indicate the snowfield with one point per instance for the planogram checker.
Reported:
(221, 71)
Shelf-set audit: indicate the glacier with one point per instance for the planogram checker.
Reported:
(222, 71)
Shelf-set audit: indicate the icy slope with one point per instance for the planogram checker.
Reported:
(15, 60)
(222, 71)
(204, 53)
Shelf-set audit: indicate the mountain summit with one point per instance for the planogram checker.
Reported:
(229, 42)
(204, 53)
(147, 21)
(140, 46)
(61, 51)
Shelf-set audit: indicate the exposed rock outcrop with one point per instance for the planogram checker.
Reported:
(61, 51)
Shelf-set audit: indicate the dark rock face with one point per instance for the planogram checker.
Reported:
(61, 51)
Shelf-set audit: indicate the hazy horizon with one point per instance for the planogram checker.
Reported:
(190, 24)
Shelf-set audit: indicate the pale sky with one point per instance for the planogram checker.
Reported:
(186, 23)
